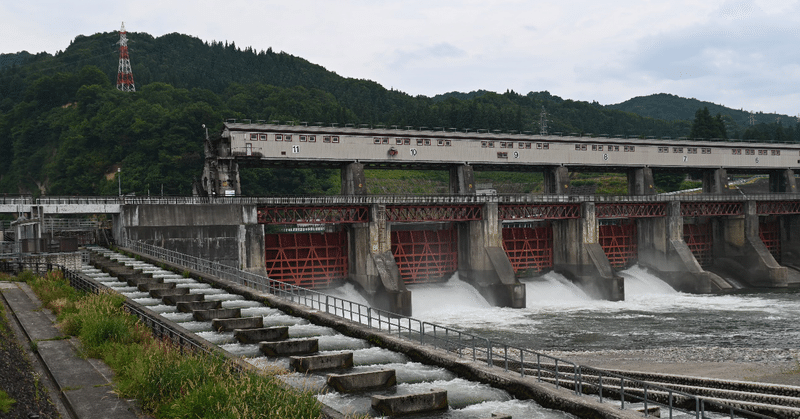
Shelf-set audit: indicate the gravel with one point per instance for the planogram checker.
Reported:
(18, 378)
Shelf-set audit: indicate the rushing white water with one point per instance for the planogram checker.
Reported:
(445, 297)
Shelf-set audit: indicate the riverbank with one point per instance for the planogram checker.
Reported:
(777, 366)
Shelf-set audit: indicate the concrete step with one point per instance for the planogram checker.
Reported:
(228, 325)
(161, 293)
(364, 381)
(136, 280)
(290, 347)
(264, 334)
(188, 307)
(216, 313)
(321, 362)
(409, 404)
(150, 286)
(186, 298)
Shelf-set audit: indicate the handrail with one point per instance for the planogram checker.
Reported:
(494, 354)
(401, 199)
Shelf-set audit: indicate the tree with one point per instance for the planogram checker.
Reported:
(705, 126)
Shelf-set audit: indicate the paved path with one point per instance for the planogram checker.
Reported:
(84, 385)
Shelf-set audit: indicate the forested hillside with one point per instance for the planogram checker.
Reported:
(65, 129)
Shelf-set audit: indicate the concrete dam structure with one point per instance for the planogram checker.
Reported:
(696, 243)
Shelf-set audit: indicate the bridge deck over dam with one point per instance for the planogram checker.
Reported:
(696, 242)
(461, 153)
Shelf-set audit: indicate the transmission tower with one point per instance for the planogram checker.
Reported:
(752, 119)
(543, 122)
(124, 74)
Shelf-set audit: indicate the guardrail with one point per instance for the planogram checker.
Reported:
(495, 354)
(406, 199)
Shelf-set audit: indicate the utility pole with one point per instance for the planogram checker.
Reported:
(124, 74)
(119, 180)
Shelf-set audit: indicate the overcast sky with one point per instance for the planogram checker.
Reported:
(741, 54)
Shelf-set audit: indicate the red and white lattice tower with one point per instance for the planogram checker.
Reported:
(124, 74)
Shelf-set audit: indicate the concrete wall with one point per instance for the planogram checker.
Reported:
(577, 254)
(229, 234)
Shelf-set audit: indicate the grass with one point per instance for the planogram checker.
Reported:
(6, 402)
(168, 382)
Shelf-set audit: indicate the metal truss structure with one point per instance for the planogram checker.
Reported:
(620, 244)
(311, 260)
(313, 215)
(538, 211)
(425, 255)
(416, 213)
(703, 209)
(777, 207)
(630, 210)
(529, 249)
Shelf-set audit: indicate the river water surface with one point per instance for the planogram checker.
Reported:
(560, 316)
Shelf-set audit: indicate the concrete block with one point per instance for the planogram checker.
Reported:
(135, 280)
(227, 325)
(321, 362)
(187, 298)
(264, 334)
(365, 381)
(290, 347)
(217, 313)
(161, 293)
(188, 307)
(150, 286)
(411, 403)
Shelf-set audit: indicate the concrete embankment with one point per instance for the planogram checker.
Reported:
(547, 395)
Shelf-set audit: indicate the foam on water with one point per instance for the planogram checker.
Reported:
(552, 289)
(347, 292)
(454, 295)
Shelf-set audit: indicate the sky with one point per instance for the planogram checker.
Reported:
(738, 53)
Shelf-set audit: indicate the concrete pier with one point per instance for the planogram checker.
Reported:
(483, 262)
(411, 403)
(360, 382)
(372, 265)
(740, 253)
(662, 249)
(577, 254)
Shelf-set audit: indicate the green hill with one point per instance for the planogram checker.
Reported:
(65, 129)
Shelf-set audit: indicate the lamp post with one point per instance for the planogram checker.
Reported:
(119, 180)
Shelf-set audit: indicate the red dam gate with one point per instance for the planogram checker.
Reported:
(529, 249)
(620, 244)
(312, 260)
(425, 255)
(770, 233)
(698, 238)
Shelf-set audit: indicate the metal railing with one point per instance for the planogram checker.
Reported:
(407, 199)
(563, 373)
